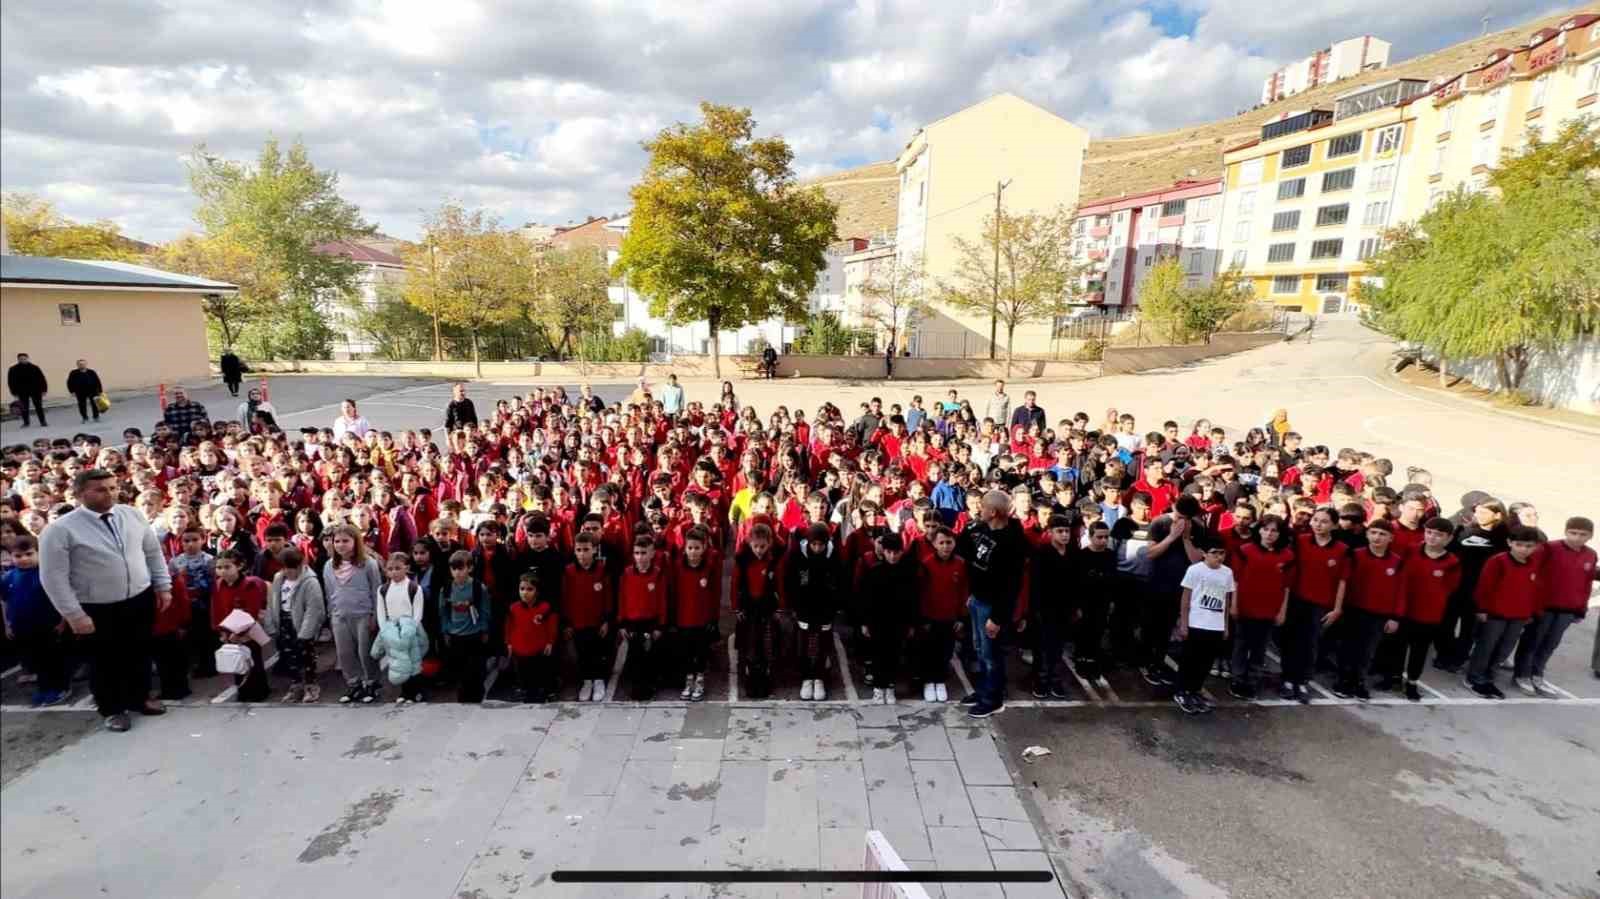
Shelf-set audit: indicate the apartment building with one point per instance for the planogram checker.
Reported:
(1121, 239)
(1306, 204)
(377, 270)
(1341, 59)
(1474, 119)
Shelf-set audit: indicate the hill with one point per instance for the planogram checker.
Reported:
(868, 196)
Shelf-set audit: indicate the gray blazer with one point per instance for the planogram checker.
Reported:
(306, 607)
(83, 562)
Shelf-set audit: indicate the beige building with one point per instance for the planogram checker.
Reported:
(1472, 120)
(136, 326)
(948, 177)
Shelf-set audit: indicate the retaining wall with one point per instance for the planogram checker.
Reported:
(855, 368)
(1126, 360)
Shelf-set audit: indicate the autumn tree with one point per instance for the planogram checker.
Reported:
(1185, 314)
(35, 228)
(223, 259)
(572, 299)
(720, 232)
(1034, 281)
(894, 293)
(482, 273)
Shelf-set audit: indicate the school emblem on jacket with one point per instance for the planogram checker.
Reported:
(1438, 573)
(704, 582)
(1389, 572)
(598, 586)
(1332, 562)
(650, 586)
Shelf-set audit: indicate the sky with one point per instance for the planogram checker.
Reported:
(536, 111)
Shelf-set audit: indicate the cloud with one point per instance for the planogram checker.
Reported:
(537, 111)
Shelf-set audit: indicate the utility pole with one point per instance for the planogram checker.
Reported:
(994, 303)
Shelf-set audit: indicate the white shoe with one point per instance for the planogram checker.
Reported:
(688, 687)
(585, 690)
(699, 691)
(1542, 688)
(877, 695)
(943, 694)
(805, 689)
(1525, 685)
(599, 690)
(929, 694)
(818, 691)
(888, 696)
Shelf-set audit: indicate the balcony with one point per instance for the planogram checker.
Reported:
(1097, 255)
(1100, 232)
(1170, 221)
(1095, 298)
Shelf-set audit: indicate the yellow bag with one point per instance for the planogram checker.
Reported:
(102, 402)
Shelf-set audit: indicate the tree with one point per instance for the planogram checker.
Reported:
(572, 299)
(223, 259)
(423, 270)
(1185, 314)
(893, 294)
(398, 330)
(482, 273)
(35, 228)
(1161, 299)
(1035, 276)
(1498, 277)
(720, 232)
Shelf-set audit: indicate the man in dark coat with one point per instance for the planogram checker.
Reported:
(461, 413)
(27, 383)
(232, 370)
(83, 383)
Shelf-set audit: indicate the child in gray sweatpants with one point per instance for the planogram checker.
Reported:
(352, 580)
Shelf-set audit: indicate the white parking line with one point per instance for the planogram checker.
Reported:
(616, 670)
(845, 677)
(87, 702)
(225, 695)
(1564, 694)
(10, 671)
(1429, 690)
(1082, 683)
(733, 671)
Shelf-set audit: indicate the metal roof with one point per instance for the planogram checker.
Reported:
(45, 270)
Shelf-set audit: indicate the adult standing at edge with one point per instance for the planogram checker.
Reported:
(1029, 413)
(461, 413)
(672, 398)
(350, 421)
(232, 370)
(28, 384)
(83, 383)
(999, 405)
(996, 554)
(102, 567)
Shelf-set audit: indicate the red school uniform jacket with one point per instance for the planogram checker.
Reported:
(176, 616)
(1567, 575)
(1509, 589)
(1375, 582)
(697, 591)
(525, 636)
(943, 589)
(1426, 586)
(756, 578)
(1407, 541)
(1261, 577)
(642, 595)
(1162, 496)
(1319, 569)
(250, 594)
(586, 595)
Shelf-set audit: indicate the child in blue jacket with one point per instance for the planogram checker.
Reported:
(34, 624)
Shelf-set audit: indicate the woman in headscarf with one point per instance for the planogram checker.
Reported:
(1278, 426)
(252, 404)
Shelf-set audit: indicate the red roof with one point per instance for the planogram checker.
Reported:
(1182, 189)
(356, 252)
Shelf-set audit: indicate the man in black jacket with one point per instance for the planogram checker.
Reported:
(83, 383)
(232, 370)
(27, 383)
(461, 413)
(996, 551)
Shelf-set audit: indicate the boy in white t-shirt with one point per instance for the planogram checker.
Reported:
(1208, 590)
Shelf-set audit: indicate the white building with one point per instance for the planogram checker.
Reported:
(377, 268)
(1339, 60)
(1121, 239)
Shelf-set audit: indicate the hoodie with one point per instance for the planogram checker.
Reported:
(811, 584)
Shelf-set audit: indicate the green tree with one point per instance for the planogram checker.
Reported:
(1161, 300)
(825, 335)
(719, 231)
(421, 288)
(398, 330)
(1034, 280)
(483, 273)
(572, 299)
(893, 294)
(220, 258)
(35, 228)
(1184, 314)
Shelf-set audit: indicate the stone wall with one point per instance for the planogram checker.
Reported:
(1126, 360)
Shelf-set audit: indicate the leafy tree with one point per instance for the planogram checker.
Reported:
(35, 228)
(1186, 314)
(894, 293)
(825, 335)
(720, 232)
(421, 288)
(219, 258)
(483, 273)
(1500, 274)
(572, 299)
(398, 330)
(1161, 301)
(1034, 279)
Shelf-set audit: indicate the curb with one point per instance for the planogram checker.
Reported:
(1387, 375)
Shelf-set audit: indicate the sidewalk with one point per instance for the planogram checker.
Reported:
(1425, 382)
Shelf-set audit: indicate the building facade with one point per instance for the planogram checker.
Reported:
(1305, 205)
(1342, 59)
(1120, 239)
(377, 269)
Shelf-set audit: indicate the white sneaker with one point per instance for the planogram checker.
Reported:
(805, 689)
(599, 690)
(1525, 685)
(888, 696)
(688, 687)
(699, 691)
(585, 690)
(818, 691)
(943, 694)
(929, 694)
(877, 695)
(1542, 688)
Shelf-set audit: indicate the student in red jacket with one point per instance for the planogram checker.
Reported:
(1569, 568)
(587, 605)
(1316, 600)
(1372, 608)
(756, 603)
(943, 588)
(641, 615)
(697, 599)
(236, 590)
(1263, 570)
(1430, 576)
(1507, 596)
(531, 629)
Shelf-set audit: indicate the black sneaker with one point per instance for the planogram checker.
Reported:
(351, 695)
(1157, 676)
(1187, 703)
(1240, 690)
(1447, 665)
(1041, 690)
(1302, 694)
(1343, 689)
(1057, 691)
(984, 710)
(1206, 705)
(1488, 691)
(1286, 690)
(1412, 693)
(970, 699)
(1361, 692)
(1388, 683)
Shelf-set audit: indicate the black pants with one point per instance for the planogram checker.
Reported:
(1496, 638)
(253, 687)
(1301, 632)
(884, 648)
(1454, 637)
(694, 648)
(594, 662)
(1089, 635)
(937, 640)
(466, 655)
(85, 406)
(172, 665)
(37, 399)
(233, 387)
(1199, 651)
(1539, 641)
(1049, 626)
(816, 646)
(1249, 648)
(535, 676)
(1123, 621)
(1160, 616)
(1405, 651)
(640, 667)
(119, 653)
(202, 639)
(44, 653)
(1362, 630)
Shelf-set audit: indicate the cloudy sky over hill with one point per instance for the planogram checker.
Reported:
(536, 110)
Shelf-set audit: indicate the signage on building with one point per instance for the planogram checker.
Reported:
(1496, 73)
(1547, 57)
(1447, 91)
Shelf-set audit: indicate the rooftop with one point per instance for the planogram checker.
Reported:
(48, 271)
(359, 252)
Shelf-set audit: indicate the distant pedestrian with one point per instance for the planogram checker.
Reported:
(182, 413)
(460, 413)
(999, 405)
(83, 383)
(888, 362)
(27, 383)
(232, 370)
(672, 398)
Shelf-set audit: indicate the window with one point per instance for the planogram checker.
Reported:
(1438, 159)
(1247, 202)
(618, 312)
(1434, 196)
(1194, 261)
(1250, 171)
(922, 192)
(1333, 283)
(1593, 80)
(1147, 260)
(1286, 284)
(1288, 190)
(1389, 139)
(1077, 228)
(1286, 221)
(1326, 249)
(1202, 208)
(1377, 215)
(1369, 248)
(70, 314)
(1151, 211)
(1198, 234)
(1296, 156)
(1238, 259)
(1541, 88)
(1174, 207)
(1483, 150)
(1241, 232)
(1122, 216)
(1343, 179)
(1449, 120)
(1333, 215)
(1280, 252)
(1382, 177)
(1344, 145)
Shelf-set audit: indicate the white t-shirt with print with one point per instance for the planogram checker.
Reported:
(286, 592)
(1208, 595)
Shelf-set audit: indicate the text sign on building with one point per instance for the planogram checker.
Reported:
(1546, 58)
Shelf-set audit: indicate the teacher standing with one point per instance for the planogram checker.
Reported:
(102, 567)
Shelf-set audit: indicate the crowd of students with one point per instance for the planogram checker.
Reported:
(542, 538)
